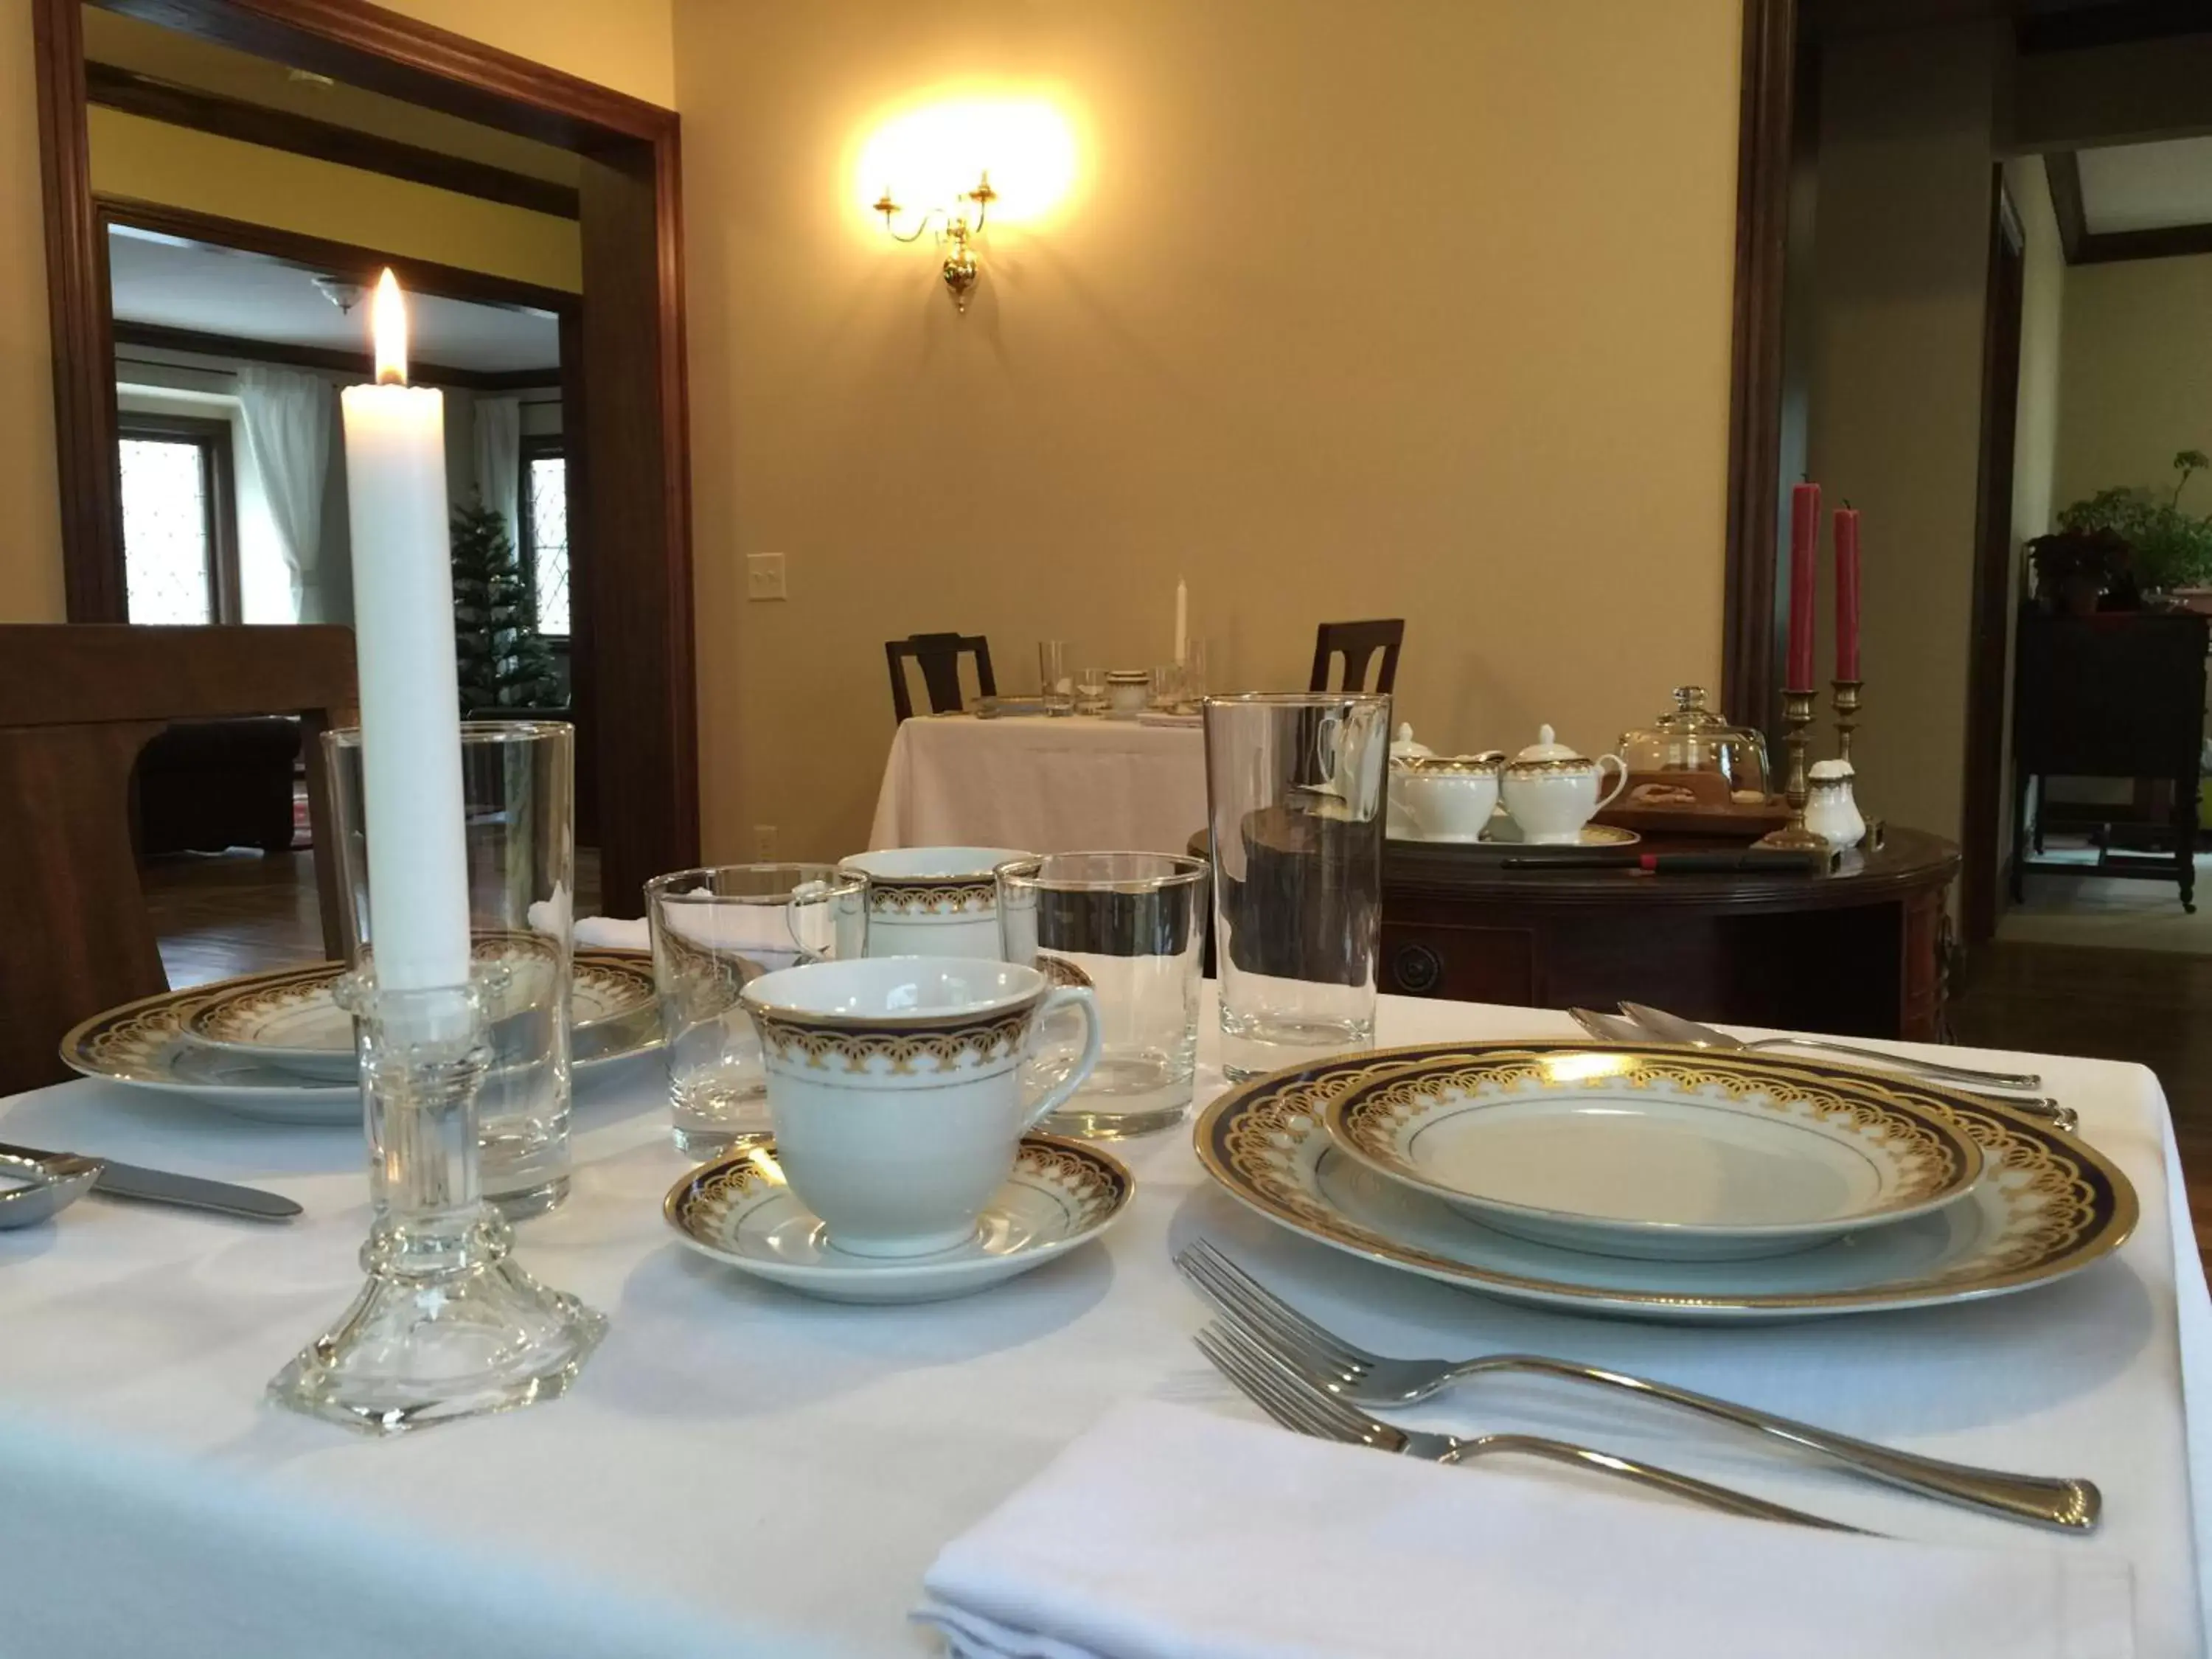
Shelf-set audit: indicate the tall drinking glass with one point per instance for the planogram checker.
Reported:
(1294, 785)
(518, 799)
(1131, 927)
(714, 931)
(1055, 683)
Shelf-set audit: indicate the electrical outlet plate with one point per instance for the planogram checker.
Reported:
(764, 842)
(764, 576)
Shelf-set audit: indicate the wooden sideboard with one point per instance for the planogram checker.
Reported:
(1859, 952)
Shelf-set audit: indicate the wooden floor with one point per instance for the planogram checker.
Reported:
(221, 913)
(238, 912)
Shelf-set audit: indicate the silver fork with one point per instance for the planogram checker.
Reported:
(1619, 1028)
(1296, 1404)
(1354, 1374)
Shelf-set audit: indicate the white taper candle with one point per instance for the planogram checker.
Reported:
(410, 735)
(1182, 621)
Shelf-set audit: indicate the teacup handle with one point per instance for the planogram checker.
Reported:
(1620, 781)
(1066, 996)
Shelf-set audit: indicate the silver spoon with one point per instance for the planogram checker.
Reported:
(50, 1185)
(1672, 1028)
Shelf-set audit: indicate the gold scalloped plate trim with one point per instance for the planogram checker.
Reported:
(1922, 1159)
(2065, 1205)
(136, 1042)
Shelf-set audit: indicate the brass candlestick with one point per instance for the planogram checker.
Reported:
(1847, 715)
(1796, 714)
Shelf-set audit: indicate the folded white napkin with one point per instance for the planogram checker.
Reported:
(611, 932)
(1167, 1531)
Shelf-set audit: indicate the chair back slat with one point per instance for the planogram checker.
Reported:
(938, 655)
(1358, 643)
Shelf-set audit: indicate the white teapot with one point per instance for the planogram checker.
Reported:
(1552, 791)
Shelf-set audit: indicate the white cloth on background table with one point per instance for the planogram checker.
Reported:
(613, 933)
(1169, 1534)
(1075, 783)
(739, 1470)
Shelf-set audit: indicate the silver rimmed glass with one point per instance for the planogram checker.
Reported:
(1090, 690)
(1131, 927)
(518, 796)
(714, 930)
(1294, 785)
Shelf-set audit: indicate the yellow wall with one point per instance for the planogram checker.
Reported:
(153, 162)
(2138, 372)
(30, 518)
(1897, 383)
(1395, 309)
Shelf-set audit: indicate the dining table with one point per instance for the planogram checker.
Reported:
(741, 1470)
(1042, 783)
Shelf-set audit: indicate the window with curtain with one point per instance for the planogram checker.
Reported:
(545, 533)
(179, 545)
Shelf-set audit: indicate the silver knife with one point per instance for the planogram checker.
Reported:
(147, 1186)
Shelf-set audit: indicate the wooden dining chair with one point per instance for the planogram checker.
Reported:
(939, 656)
(78, 701)
(1357, 642)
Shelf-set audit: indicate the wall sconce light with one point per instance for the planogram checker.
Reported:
(958, 224)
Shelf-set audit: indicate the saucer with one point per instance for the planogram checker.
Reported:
(1061, 1194)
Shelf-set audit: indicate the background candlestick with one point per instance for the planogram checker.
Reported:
(1804, 543)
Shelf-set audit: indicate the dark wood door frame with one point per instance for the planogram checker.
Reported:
(1989, 641)
(632, 561)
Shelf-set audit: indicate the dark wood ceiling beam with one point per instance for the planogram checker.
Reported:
(323, 141)
(2105, 247)
(160, 336)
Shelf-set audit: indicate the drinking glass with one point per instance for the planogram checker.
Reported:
(1294, 785)
(1167, 688)
(1131, 927)
(1090, 690)
(517, 801)
(1193, 670)
(714, 931)
(1058, 690)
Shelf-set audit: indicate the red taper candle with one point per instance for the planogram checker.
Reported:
(1804, 543)
(1847, 593)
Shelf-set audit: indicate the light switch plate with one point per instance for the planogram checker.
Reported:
(764, 576)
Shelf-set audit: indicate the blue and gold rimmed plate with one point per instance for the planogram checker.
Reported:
(1659, 1158)
(1061, 1195)
(2046, 1206)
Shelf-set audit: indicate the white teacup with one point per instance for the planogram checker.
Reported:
(933, 901)
(895, 1088)
(1449, 797)
(1552, 798)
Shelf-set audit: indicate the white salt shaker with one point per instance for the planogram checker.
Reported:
(1830, 812)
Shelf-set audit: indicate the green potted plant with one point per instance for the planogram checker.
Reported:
(2074, 568)
(2171, 550)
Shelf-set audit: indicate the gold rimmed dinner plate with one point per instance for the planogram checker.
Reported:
(149, 1044)
(294, 1024)
(2046, 1206)
(1670, 1158)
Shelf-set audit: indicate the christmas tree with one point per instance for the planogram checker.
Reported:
(504, 661)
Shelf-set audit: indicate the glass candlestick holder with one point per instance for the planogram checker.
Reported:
(447, 1325)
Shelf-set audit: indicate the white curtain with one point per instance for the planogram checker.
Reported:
(498, 459)
(288, 427)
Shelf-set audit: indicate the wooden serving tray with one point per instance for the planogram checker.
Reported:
(1708, 812)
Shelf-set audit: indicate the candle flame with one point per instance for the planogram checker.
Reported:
(387, 315)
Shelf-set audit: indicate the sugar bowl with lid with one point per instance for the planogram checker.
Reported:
(1449, 797)
(1551, 790)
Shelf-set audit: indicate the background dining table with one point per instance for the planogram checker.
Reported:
(741, 1470)
(1041, 783)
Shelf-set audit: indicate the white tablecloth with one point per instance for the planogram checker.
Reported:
(743, 1471)
(1074, 784)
